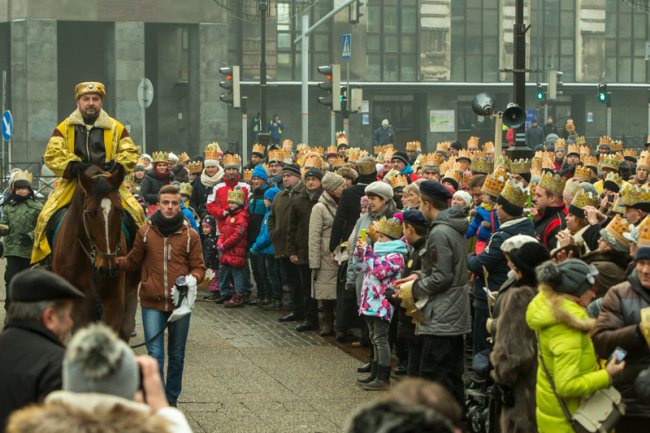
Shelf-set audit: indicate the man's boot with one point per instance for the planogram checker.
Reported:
(365, 368)
(381, 382)
(327, 327)
(373, 374)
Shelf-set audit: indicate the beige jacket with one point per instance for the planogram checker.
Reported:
(324, 268)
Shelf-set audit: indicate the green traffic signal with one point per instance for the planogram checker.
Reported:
(602, 93)
(540, 92)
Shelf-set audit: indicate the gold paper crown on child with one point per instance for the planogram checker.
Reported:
(287, 144)
(616, 146)
(183, 157)
(617, 227)
(160, 156)
(332, 150)
(472, 143)
(590, 161)
(553, 183)
(604, 141)
(520, 166)
(259, 148)
(231, 161)
(583, 174)
(453, 172)
(515, 192)
(443, 146)
(212, 151)
(275, 155)
(391, 227)
(195, 167)
(583, 198)
(236, 196)
(494, 182)
(644, 233)
(341, 138)
(573, 148)
(23, 175)
(414, 146)
(248, 175)
(186, 189)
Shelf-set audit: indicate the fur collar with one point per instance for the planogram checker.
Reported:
(93, 401)
(560, 304)
(103, 120)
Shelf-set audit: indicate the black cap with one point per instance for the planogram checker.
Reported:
(293, 169)
(434, 189)
(401, 156)
(34, 285)
(314, 172)
(414, 217)
(457, 145)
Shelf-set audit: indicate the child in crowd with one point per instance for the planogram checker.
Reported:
(209, 238)
(462, 199)
(363, 205)
(484, 223)
(232, 248)
(271, 291)
(382, 264)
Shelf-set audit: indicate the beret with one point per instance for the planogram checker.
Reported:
(381, 189)
(435, 189)
(414, 217)
(34, 285)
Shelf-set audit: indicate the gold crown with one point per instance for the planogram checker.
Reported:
(583, 198)
(515, 192)
(482, 164)
(236, 196)
(633, 195)
(160, 157)
(89, 87)
(337, 162)
(630, 153)
(604, 141)
(502, 160)
(232, 160)
(644, 160)
(22, 175)
(414, 146)
(585, 151)
(616, 146)
(183, 157)
(560, 144)
(388, 154)
(488, 147)
(644, 233)
(584, 174)
(259, 148)
(454, 173)
(546, 158)
(590, 161)
(430, 160)
(616, 227)
(341, 138)
(332, 150)
(553, 183)
(383, 149)
(494, 182)
(286, 155)
(443, 146)
(248, 175)
(142, 161)
(472, 143)
(391, 227)
(536, 166)
(312, 159)
(287, 144)
(317, 150)
(614, 178)
(275, 155)
(186, 189)
(353, 154)
(398, 181)
(212, 151)
(573, 148)
(520, 166)
(580, 140)
(610, 161)
(466, 154)
(195, 167)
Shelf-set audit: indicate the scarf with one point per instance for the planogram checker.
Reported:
(384, 248)
(162, 176)
(211, 181)
(167, 226)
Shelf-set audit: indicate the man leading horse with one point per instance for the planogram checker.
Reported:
(89, 136)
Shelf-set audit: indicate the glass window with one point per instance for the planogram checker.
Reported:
(374, 67)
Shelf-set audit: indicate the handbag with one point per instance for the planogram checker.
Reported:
(598, 412)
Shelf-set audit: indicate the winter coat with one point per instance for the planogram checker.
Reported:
(441, 290)
(256, 212)
(180, 173)
(476, 228)
(534, 136)
(199, 197)
(324, 267)
(382, 136)
(493, 260)
(162, 260)
(553, 220)
(380, 268)
(151, 185)
(263, 244)
(20, 218)
(31, 362)
(612, 266)
(348, 211)
(217, 203)
(210, 254)
(233, 239)
(189, 216)
(279, 219)
(298, 234)
(618, 325)
(562, 326)
(514, 357)
(275, 181)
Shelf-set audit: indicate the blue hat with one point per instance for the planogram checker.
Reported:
(270, 193)
(414, 217)
(260, 172)
(434, 189)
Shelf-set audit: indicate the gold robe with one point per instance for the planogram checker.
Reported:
(60, 152)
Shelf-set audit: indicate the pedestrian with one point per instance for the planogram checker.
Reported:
(255, 127)
(275, 164)
(167, 230)
(550, 209)
(401, 163)
(257, 156)
(177, 167)
(534, 134)
(485, 220)
(567, 365)
(19, 215)
(138, 177)
(549, 127)
(155, 179)
(323, 266)
(256, 212)
(276, 129)
(384, 134)
(381, 264)
(209, 238)
(203, 185)
(271, 289)
(38, 322)
(411, 196)
(395, 416)
(462, 199)
(217, 204)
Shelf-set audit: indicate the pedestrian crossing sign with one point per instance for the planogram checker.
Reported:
(346, 46)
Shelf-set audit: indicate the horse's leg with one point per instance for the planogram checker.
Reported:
(112, 301)
(130, 304)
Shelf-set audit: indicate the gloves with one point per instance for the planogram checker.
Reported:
(644, 325)
(25, 240)
(78, 167)
(112, 166)
(253, 252)
(187, 303)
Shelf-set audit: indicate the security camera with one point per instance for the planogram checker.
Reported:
(483, 105)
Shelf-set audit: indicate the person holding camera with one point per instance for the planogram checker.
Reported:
(168, 252)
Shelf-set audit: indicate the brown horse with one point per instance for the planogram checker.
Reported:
(87, 243)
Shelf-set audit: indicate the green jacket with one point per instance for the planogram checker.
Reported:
(19, 218)
(568, 353)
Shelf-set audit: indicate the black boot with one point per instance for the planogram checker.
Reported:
(373, 374)
(381, 382)
(365, 368)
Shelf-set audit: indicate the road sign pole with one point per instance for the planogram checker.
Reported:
(2, 150)
(244, 129)
(332, 127)
(304, 86)
(346, 55)
(144, 130)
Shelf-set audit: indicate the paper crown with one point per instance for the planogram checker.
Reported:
(312, 159)
(585, 151)
(481, 164)
(494, 182)
(604, 141)
(617, 227)
(630, 153)
(515, 192)
(633, 195)
(286, 155)
(583, 198)
(464, 154)
(520, 166)
(337, 162)
(610, 161)
(580, 140)
(590, 161)
(22, 175)
(391, 227)
(332, 150)
(560, 144)
(443, 146)
(616, 146)
(236, 196)
(259, 149)
(382, 149)
(430, 160)
(472, 143)
(584, 174)
(644, 160)
(502, 160)
(231, 161)
(287, 144)
(248, 175)
(413, 146)
(454, 173)
(143, 161)
(398, 181)
(183, 157)
(388, 154)
(195, 167)
(341, 138)
(160, 157)
(573, 149)
(212, 151)
(644, 233)
(488, 147)
(553, 183)
(275, 155)
(186, 189)
(613, 178)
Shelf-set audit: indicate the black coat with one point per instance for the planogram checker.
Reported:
(31, 359)
(348, 211)
(199, 197)
(151, 185)
(298, 234)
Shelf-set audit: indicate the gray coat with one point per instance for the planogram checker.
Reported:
(325, 269)
(442, 286)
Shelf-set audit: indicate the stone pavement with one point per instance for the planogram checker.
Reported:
(246, 372)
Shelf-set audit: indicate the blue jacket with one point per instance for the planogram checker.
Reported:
(482, 214)
(263, 244)
(189, 216)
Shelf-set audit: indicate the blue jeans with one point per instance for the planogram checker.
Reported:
(153, 321)
(234, 277)
(274, 277)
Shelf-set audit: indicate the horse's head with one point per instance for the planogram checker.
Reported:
(102, 218)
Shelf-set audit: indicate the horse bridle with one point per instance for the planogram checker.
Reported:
(94, 249)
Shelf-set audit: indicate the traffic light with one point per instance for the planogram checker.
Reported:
(355, 12)
(541, 92)
(332, 81)
(555, 84)
(231, 84)
(602, 93)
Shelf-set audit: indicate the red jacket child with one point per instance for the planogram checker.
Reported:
(217, 203)
(232, 245)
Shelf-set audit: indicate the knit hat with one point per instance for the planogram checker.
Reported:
(401, 156)
(271, 193)
(260, 172)
(573, 276)
(97, 361)
(516, 241)
(465, 196)
(292, 169)
(528, 256)
(456, 145)
(314, 172)
(139, 167)
(331, 181)
(381, 189)
(366, 166)
(209, 221)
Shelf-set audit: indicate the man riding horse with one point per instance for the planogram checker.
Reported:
(89, 136)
